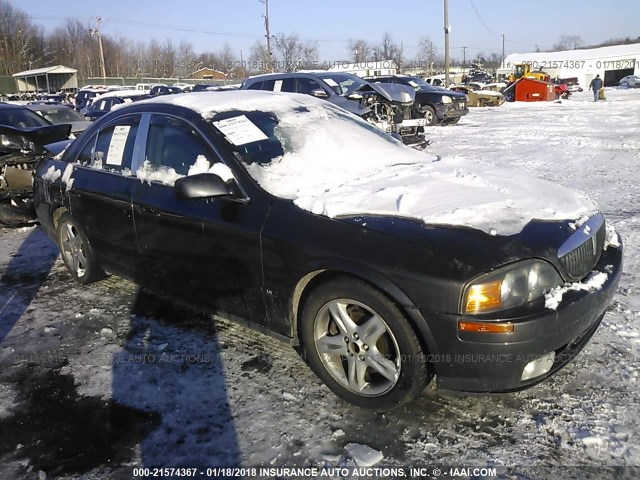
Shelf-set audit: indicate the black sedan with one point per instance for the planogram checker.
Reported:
(437, 105)
(61, 114)
(290, 214)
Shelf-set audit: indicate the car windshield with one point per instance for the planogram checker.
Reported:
(343, 84)
(21, 118)
(282, 149)
(60, 115)
(418, 84)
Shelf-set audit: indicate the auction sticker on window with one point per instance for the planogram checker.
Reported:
(240, 130)
(117, 143)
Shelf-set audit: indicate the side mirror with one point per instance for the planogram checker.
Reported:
(203, 185)
(319, 93)
(354, 96)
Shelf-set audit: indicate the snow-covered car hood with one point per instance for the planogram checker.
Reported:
(338, 165)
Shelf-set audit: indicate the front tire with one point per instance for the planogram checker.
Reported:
(361, 345)
(76, 251)
(430, 115)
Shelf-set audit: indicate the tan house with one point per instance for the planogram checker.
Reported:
(207, 74)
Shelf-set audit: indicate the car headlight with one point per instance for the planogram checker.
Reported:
(510, 286)
(446, 99)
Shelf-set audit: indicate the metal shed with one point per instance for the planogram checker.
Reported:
(48, 79)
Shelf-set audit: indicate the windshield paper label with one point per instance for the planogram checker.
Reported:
(240, 130)
(116, 145)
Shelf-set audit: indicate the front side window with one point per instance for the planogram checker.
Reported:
(307, 85)
(112, 147)
(174, 149)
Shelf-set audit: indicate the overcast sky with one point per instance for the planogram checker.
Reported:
(476, 24)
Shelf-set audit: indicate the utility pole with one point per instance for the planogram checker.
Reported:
(503, 50)
(431, 54)
(266, 27)
(447, 29)
(96, 32)
(464, 57)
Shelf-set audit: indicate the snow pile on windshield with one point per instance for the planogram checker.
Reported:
(333, 166)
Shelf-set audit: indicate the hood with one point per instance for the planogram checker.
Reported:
(538, 239)
(351, 106)
(32, 139)
(392, 92)
(497, 202)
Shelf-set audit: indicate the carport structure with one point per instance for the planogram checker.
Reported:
(48, 79)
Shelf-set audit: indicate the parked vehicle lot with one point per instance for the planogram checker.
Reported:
(388, 107)
(90, 348)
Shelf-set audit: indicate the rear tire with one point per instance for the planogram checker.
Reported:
(361, 345)
(76, 251)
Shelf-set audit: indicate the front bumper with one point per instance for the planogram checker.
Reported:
(448, 111)
(490, 362)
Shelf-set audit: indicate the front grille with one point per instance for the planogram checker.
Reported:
(582, 250)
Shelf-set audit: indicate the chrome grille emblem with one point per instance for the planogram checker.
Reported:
(580, 253)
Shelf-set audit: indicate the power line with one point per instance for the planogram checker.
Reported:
(155, 25)
(480, 18)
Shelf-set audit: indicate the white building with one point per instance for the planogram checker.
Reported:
(49, 79)
(611, 63)
(366, 69)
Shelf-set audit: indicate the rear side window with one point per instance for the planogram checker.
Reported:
(262, 85)
(112, 147)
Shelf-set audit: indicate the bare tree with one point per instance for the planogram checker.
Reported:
(21, 41)
(259, 59)
(359, 50)
(568, 42)
(187, 59)
(294, 53)
(428, 56)
(389, 50)
(227, 60)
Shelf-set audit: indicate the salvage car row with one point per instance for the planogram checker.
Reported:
(401, 106)
(289, 213)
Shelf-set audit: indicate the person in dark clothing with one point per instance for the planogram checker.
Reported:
(596, 85)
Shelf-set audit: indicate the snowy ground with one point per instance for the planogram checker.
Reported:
(101, 376)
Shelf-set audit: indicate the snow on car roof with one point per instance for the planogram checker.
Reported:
(336, 166)
(121, 94)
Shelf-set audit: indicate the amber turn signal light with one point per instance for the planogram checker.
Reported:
(485, 327)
